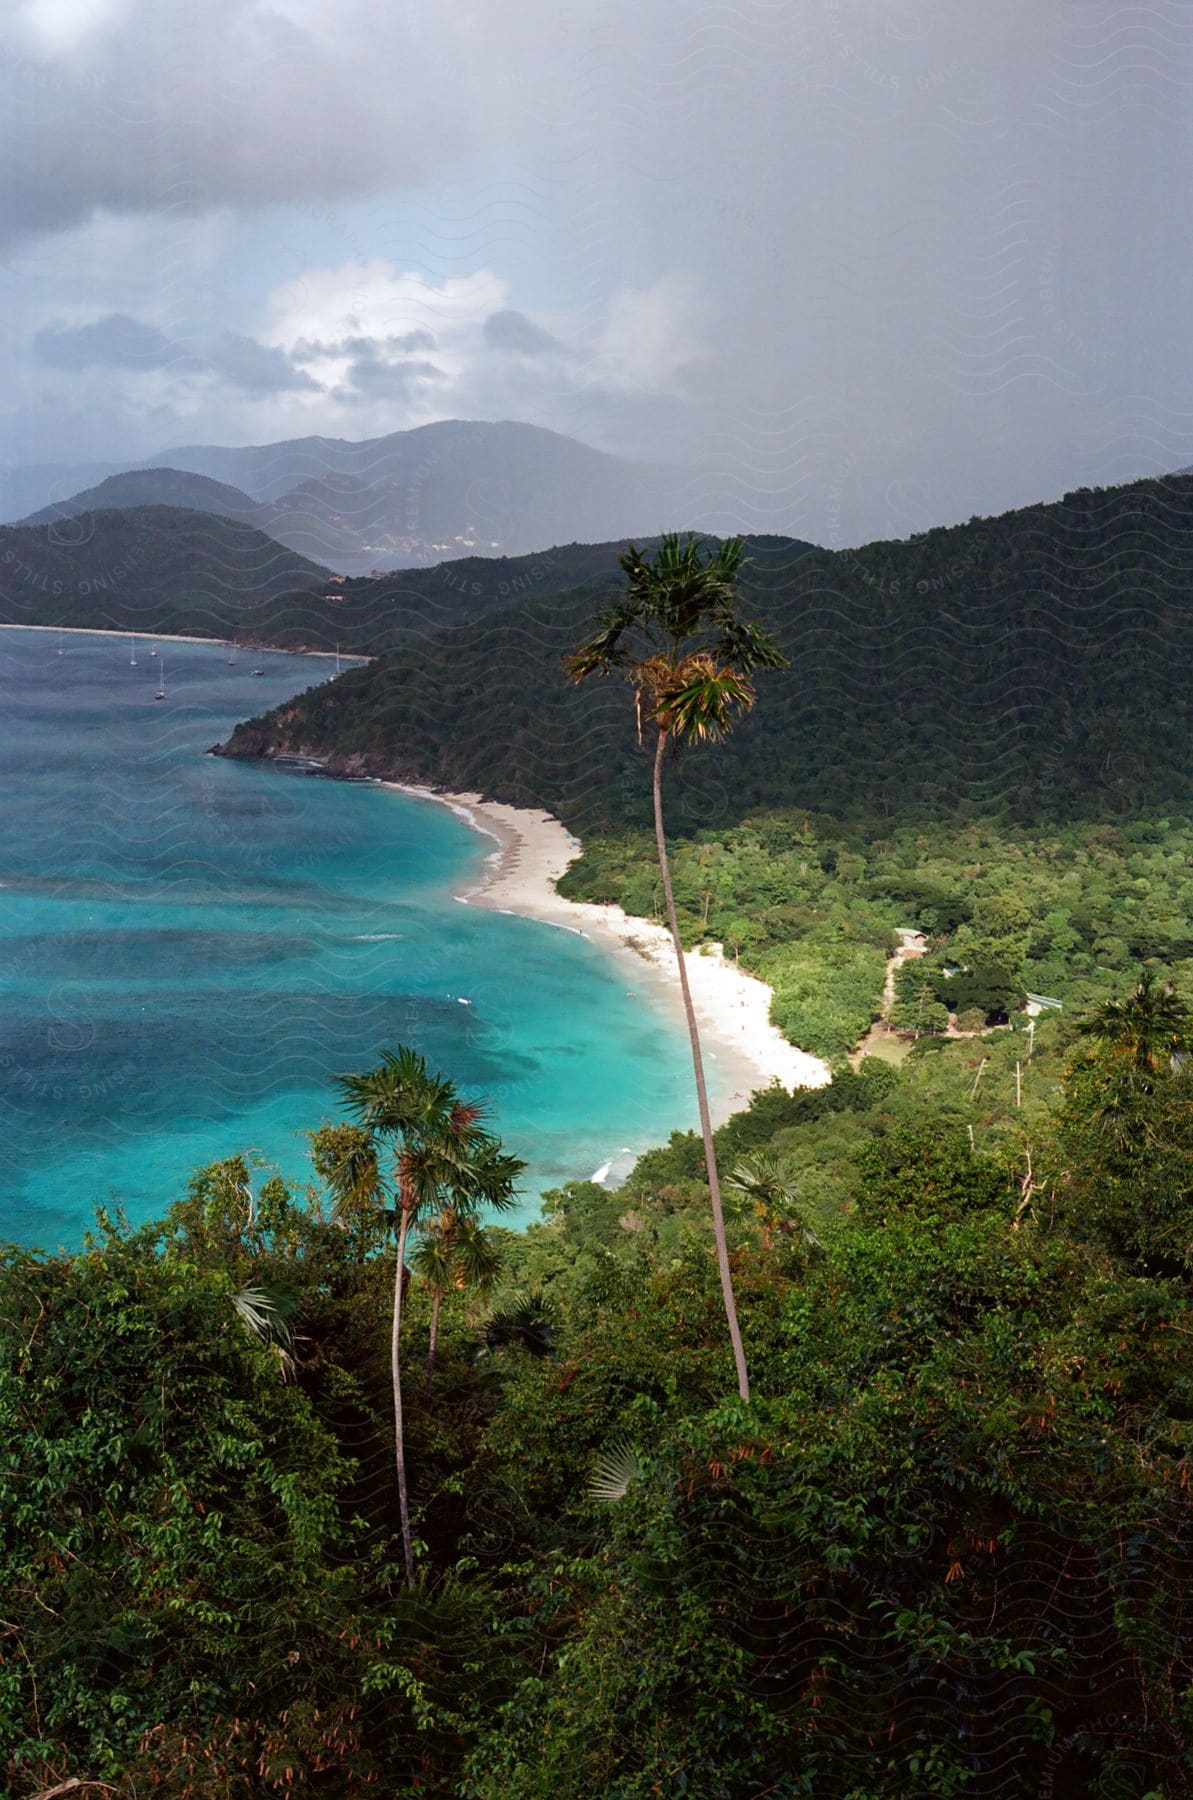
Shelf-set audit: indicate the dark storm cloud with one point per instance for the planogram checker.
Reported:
(400, 345)
(145, 106)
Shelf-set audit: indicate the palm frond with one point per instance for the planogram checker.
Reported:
(604, 651)
(685, 582)
(613, 1472)
(700, 707)
(399, 1094)
(347, 1161)
(763, 1178)
(745, 646)
(264, 1312)
(478, 1261)
(455, 1251)
(433, 1261)
(1148, 1027)
(526, 1321)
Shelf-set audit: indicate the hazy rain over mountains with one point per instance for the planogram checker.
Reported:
(856, 268)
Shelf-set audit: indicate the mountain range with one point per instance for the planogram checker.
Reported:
(407, 500)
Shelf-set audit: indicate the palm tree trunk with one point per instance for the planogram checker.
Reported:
(714, 1186)
(396, 1370)
(435, 1300)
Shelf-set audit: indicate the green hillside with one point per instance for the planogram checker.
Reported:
(944, 1550)
(156, 568)
(152, 568)
(1035, 665)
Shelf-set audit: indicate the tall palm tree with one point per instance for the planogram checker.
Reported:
(455, 1252)
(678, 637)
(440, 1156)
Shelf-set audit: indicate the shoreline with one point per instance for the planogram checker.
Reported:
(744, 1050)
(174, 637)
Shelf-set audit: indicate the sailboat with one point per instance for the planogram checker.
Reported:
(60, 640)
(232, 658)
(152, 647)
(132, 661)
(161, 675)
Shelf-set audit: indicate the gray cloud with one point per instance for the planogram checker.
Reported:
(510, 330)
(151, 108)
(115, 342)
(255, 368)
(118, 341)
(400, 345)
(371, 377)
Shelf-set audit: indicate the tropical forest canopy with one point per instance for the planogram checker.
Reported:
(166, 568)
(944, 1550)
(1032, 666)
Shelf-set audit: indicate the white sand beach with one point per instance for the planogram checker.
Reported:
(745, 1051)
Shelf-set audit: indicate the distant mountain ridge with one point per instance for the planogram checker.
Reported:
(407, 500)
(202, 493)
(151, 487)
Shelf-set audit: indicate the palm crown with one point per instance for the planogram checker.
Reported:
(679, 638)
(1147, 1028)
(441, 1147)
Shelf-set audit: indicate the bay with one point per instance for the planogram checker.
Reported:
(192, 948)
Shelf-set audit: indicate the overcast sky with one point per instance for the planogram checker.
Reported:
(871, 264)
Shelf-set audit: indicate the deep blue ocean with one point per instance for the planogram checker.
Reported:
(191, 949)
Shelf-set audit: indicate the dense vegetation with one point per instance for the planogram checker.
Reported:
(1030, 666)
(944, 1550)
(813, 904)
(149, 568)
(171, 569)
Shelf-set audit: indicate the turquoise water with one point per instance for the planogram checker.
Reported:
(190, 950)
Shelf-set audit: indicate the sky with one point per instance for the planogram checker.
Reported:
(863, 265)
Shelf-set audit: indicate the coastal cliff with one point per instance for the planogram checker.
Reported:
(272, 740)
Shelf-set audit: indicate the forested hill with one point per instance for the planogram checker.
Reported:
(161, 568)
(1037, 663)
(152, 568)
